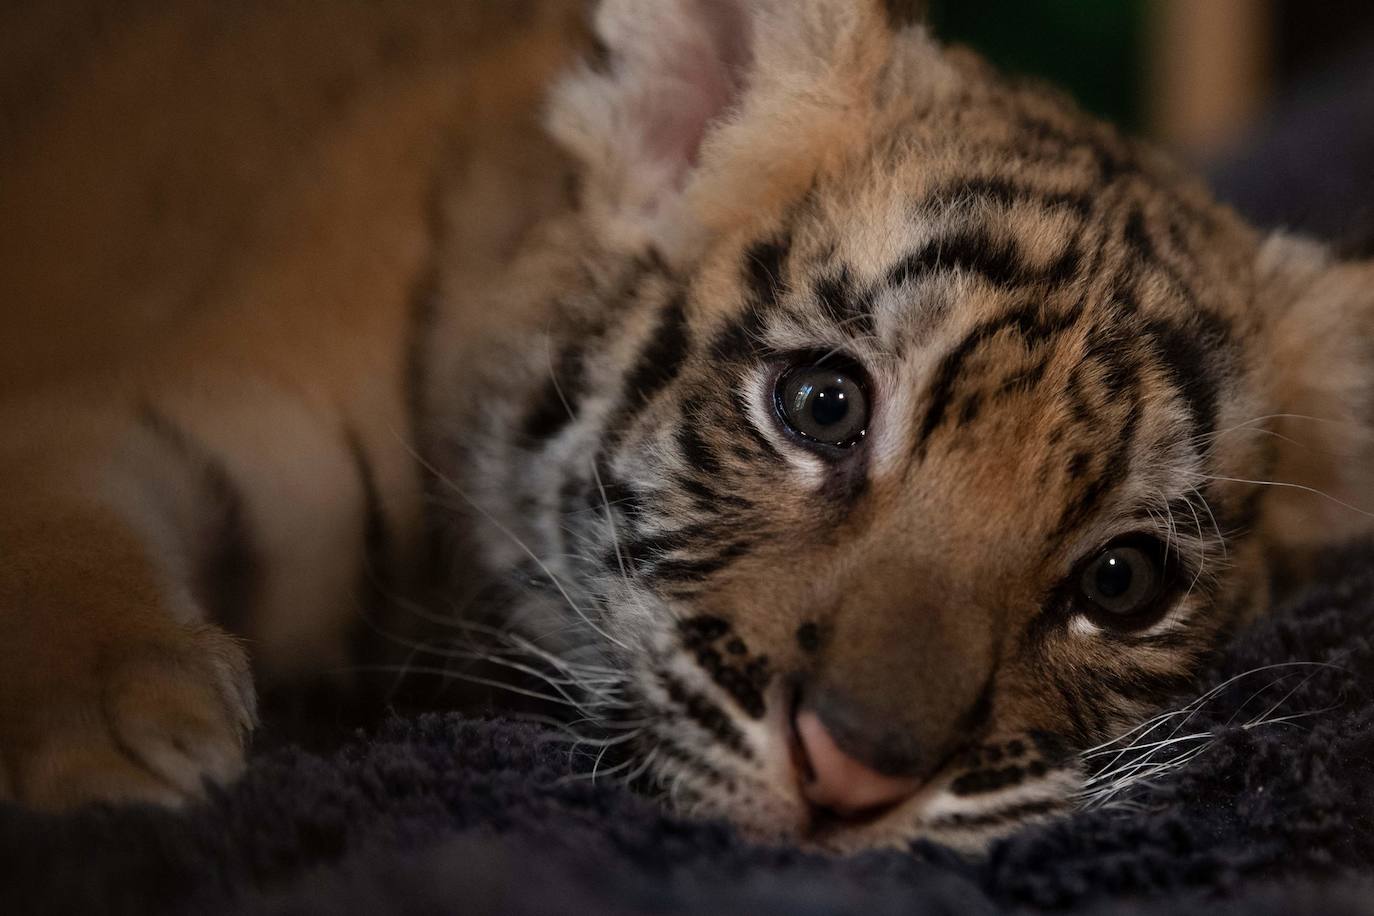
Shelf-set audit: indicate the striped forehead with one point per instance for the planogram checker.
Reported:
(997, 291)
(1006, 193)
(985, 250)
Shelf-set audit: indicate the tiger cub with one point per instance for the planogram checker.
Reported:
(864, 438)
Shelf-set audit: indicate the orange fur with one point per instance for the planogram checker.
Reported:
(226, 214)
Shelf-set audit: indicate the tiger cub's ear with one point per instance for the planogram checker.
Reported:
(1318, 356)
(705, 111)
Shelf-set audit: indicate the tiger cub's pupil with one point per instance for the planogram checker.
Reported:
(823, 405)
(1113, 576)
(828, 406)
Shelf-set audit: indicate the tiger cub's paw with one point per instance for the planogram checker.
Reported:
(156, 722)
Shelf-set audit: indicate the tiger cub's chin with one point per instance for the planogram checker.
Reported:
(900, 433)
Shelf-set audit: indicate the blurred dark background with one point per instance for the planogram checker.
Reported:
(1273, 99)
(1195, 73)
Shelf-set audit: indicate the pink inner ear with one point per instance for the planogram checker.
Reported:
(700, 80)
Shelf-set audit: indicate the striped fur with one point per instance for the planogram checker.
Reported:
(1063, 335)
(1064, 339)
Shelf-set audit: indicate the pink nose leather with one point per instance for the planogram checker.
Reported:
(839, 782)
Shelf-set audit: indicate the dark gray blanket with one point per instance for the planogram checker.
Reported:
(444, 814)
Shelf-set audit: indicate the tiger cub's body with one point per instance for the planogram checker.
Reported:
(870, 434)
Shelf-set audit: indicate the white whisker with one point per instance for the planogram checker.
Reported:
(514, 539)
(1292, 486)
(1135, 761)
(449, 674)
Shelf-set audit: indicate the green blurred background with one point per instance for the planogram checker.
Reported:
(1094, 48)
(1194, 73)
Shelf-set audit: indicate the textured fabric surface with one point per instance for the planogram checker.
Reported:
(443, 814)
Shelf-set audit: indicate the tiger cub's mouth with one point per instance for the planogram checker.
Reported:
(785, 775)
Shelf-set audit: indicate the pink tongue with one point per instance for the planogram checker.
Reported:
(839, 782)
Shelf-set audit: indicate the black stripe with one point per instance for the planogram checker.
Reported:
(942, 389)
(1190, 356)
(1111, 347)
(845, 305)
(709, 498)
(666, 746)
(1073, 707)
(1006, 193)
(903, 14)
(738, 421)
(1080, 410)
(1111, 474)
(1011, 815)
(738, 340)
(1028, 321)
(764, 284)
(1140, 684)
(642, 551)
(697, 568)
(984, 781)
(557, 404)
(714, 720)
(1174, 639)
(701, 492)
(1114, 160)
(1119, 379)
(1080, 462)
(228, 574)
(1137, 235)
(744, 677)
(696, 453)
(970, 251)
(660, 360)
(1067, 266)
(1053, 749)
(647, 549)
(1024, 380)
(763, 269)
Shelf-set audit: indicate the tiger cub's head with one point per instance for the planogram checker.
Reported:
(903, 439)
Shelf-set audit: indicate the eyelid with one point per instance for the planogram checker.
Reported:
(1129, 538)
(1141, 530)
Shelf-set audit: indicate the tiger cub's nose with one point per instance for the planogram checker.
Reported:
(835, 780)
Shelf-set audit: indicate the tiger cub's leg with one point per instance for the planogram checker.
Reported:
(131, 532)
(104, 693)
(114, 684)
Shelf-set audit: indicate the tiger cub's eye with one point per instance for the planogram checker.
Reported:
(822, 404)
(1125, 582)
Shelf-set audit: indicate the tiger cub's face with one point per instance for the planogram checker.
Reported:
(902, 444)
